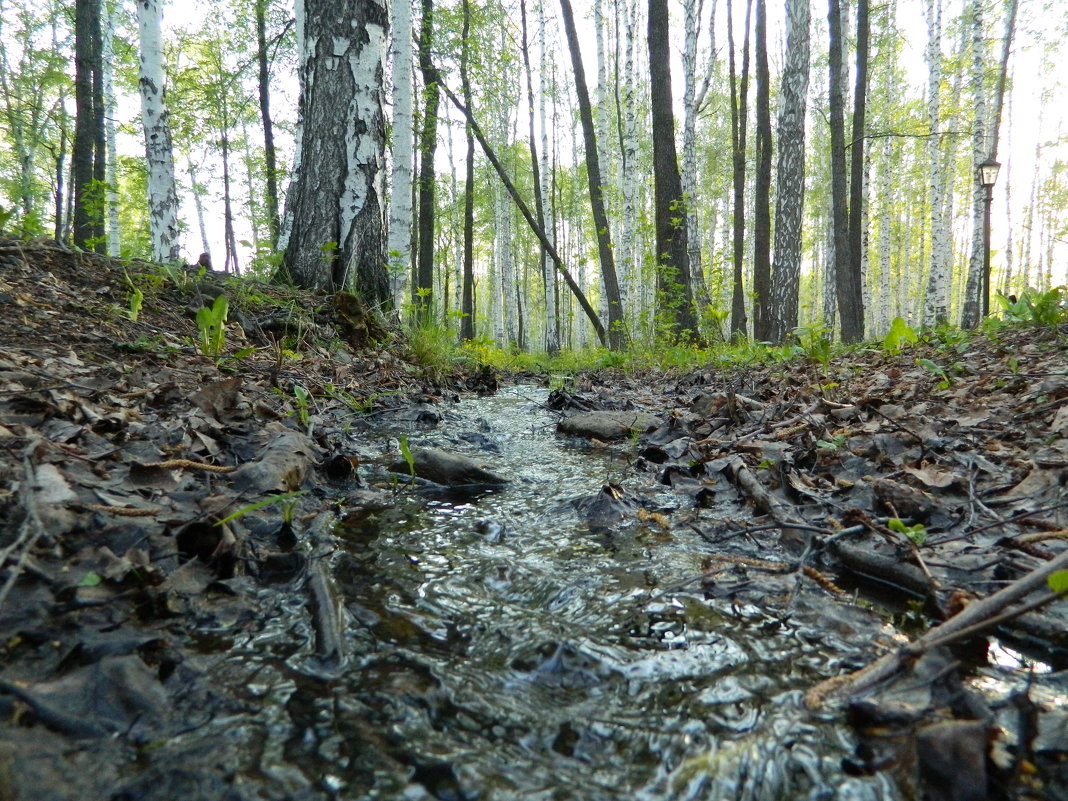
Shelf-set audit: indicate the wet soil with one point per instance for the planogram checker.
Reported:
(212, 586)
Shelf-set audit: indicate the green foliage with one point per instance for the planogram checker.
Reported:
(433, 346)
(211, 321)
(917, 533)
(135, 299)
(286, 498)
(898, 336)
(815, 343)
(935, 369)
(833, 444)
(1047, 308)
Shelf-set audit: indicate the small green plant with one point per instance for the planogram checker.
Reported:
(833, 444)
(212, 324)
(303, 400)
(814, 341)
(939, 372)
(406, 452)
(288, 499)
(135, 299)
(916, 533)
(900, 334)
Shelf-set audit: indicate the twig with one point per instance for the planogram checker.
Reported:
(30, 530)
(979, 612)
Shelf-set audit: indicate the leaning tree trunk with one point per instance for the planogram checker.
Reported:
(162, 195)
(790, 197)
(335, 208)
(673, 268)
(617, 337)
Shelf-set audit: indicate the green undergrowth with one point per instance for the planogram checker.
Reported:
(437, 347)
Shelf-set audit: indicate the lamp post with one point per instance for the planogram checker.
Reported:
(987, 173)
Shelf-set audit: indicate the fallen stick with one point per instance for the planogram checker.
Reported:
(978, 616)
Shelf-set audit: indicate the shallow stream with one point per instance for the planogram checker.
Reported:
(515, 652)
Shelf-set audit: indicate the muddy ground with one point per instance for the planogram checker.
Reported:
(158, 495)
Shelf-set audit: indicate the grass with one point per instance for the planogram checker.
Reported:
(436, 347)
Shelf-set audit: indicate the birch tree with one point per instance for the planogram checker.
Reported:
(693, 97)
(335, 206)
(162, 195)
(399, 245)
(936, 302)
(790, 195)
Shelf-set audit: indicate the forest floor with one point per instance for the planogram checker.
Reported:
(928, 478)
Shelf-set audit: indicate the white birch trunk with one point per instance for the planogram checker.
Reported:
(107, 55)
(973, 289)
(162, 196)
(885, 219)
(630, 286)
(552, 331)
(399, 242)
(692, 98)
(937, 297)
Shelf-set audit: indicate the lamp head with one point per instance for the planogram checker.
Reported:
(988, 172)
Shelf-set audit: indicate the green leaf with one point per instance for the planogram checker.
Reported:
(1058, 582)
(406, 452)
(93, 579)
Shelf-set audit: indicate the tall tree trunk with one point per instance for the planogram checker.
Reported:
(428, 142)
(762, 184)
(162, 195)
(672, 260)
(692, 100)
(985, 145)
(936, 304)
(839, 190)
(269, 156)
(229, 239)
(399, 247)
(335, 209)
(853, 283)
(739, 127)
(107, 55)
(87, 206)
(628, 173)
(467, 305)
(790, 197)
(617, 335)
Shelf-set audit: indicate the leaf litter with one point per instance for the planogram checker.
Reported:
(161, 505)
